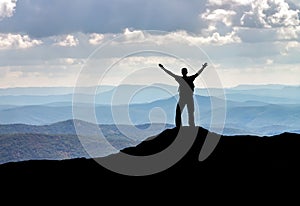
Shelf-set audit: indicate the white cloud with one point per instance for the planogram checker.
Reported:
(269, 61)
(230, 2)
(256, 17)
(254, 13)
(215, 39)
(7, 8)
(293, 44)
(284, 16)
(219, 15)
(69, 60)
(287, 47)
(134, 35)
(96, 39)
(273, 20)
(17, 41)
(138, 36)
(67, 41)
(288, 33)
(269, 14)
(58, 67)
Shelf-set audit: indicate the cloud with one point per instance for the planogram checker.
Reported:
(287, 47)
(219, 15)
(69, 60)
(284, 15)
(256, 17)
(128, 36)
(235, 34)
(253, 21)
(214, 39)
(252, 14)
(39, 18)
(67, 41)
(7, 8)
(96, 39)
(134, 35)
(178, 37)
(269, 61)
(288, 33)
(269, 14)
(17, 41)
(228, 2)
(295, 2)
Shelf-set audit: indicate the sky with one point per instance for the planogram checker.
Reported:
(57, 43)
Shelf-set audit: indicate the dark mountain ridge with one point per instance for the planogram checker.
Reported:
(234, 155)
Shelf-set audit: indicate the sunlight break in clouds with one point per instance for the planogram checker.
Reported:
(7, 8)
(251, 41)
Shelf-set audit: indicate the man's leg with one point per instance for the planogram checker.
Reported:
(179, 109)
(191, 109)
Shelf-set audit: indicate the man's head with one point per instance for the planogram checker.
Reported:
(184, 71)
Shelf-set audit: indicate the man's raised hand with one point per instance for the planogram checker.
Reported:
(160, 65)
(203, 67)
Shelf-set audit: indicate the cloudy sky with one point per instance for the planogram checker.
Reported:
(47, 43)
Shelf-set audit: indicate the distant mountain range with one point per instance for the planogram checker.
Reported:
(249, 117)
(139, 94)
(259, 109)
(60, 141)
(38, 123)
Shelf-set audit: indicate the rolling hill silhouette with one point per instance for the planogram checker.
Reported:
(246, 156)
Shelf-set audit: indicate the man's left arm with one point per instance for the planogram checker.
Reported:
(201, 70)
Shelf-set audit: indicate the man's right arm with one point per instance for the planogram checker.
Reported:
(167, 71)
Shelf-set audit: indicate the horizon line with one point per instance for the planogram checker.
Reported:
(107, 85)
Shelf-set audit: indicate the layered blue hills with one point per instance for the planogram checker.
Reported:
(39, 123)
(260, 110)
(61, 140)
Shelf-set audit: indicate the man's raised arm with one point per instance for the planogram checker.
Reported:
(203, 67)
(167, 71)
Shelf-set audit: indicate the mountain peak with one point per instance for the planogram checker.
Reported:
(162, 141)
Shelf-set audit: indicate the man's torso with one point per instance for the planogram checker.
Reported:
(186, 85)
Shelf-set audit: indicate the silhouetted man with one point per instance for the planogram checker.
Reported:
(186, 92)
